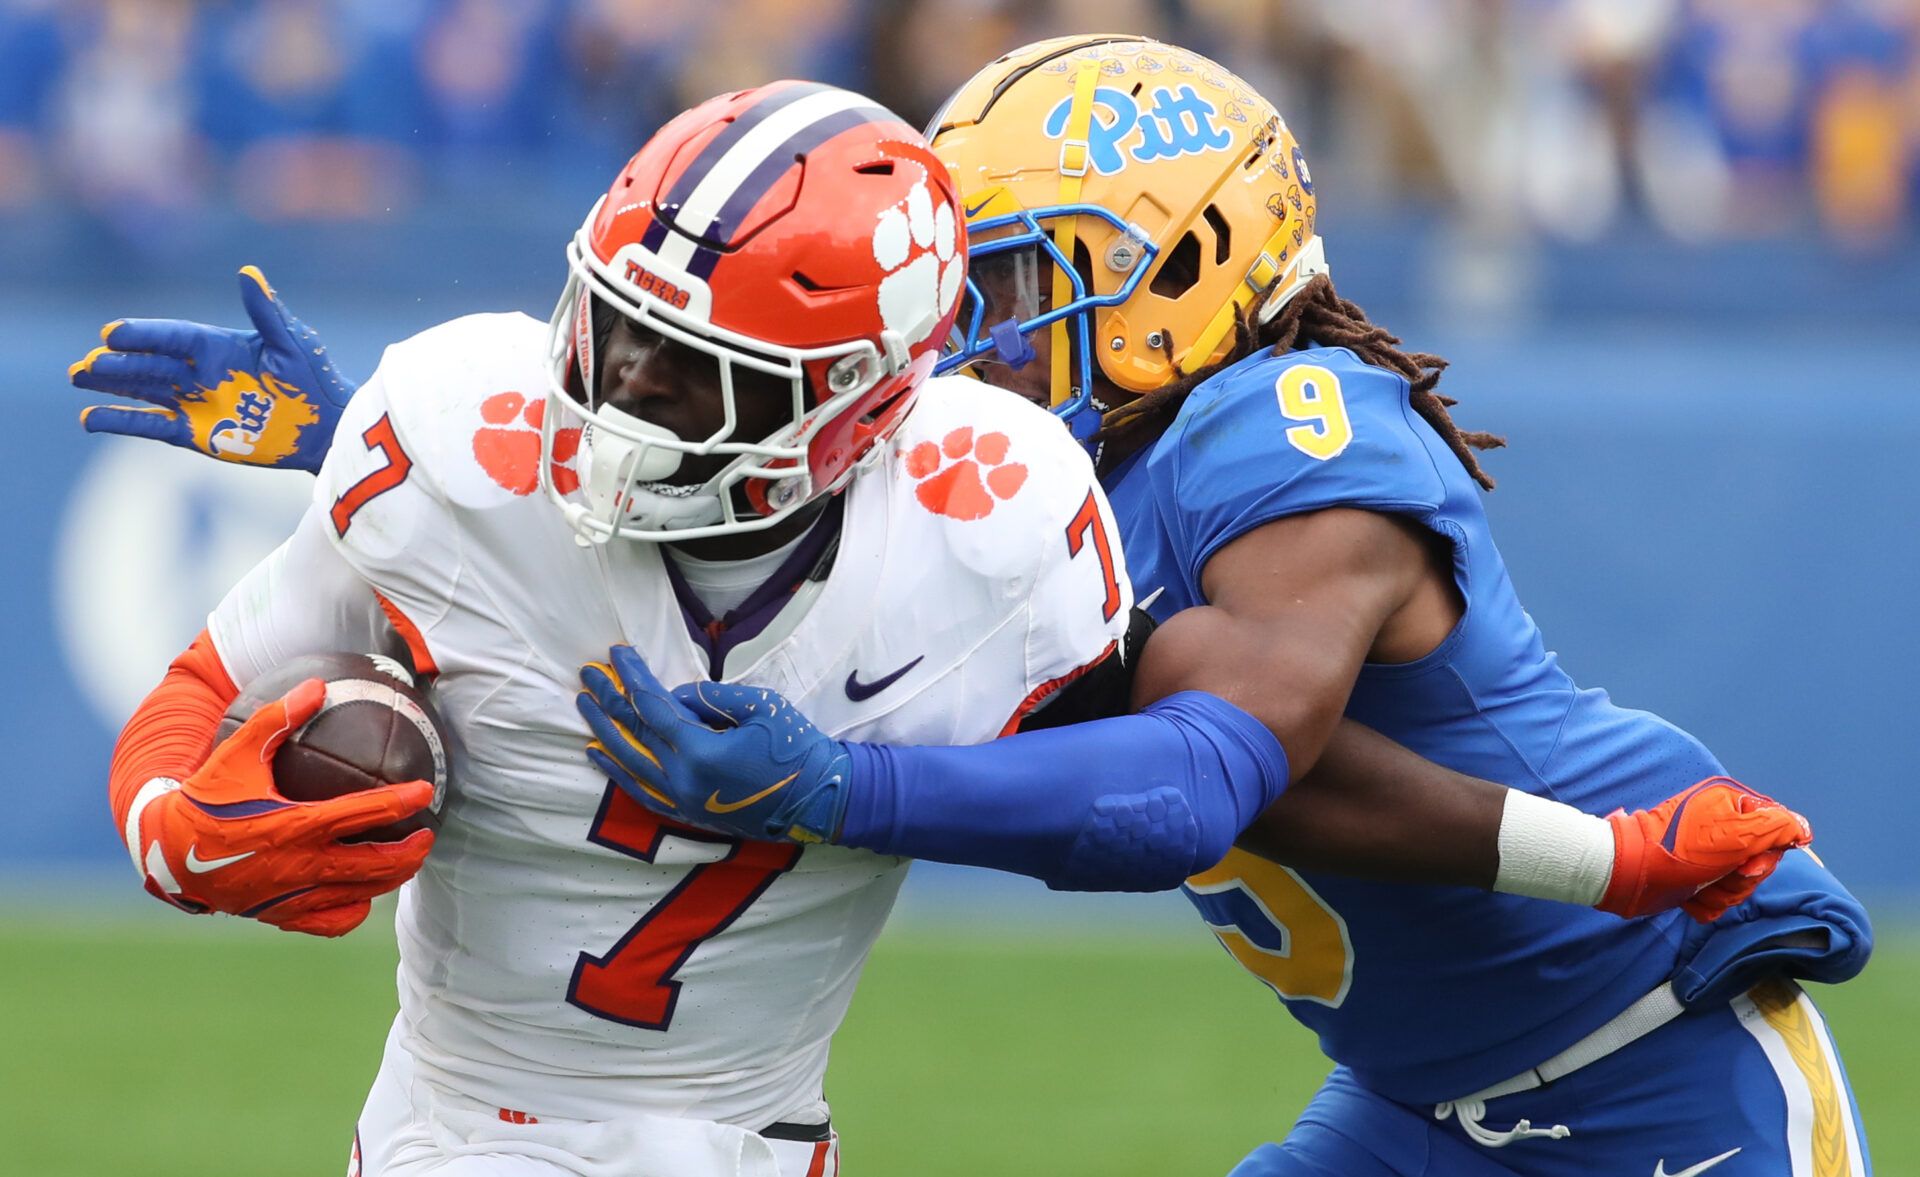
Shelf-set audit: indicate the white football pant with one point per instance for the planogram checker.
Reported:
(409, 1128)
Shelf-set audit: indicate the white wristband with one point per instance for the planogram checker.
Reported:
(1549, 850)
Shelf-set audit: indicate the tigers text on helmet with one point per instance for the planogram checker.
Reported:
(1144, 200)
(795, 230)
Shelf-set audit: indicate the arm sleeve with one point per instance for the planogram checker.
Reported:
(171, 732)
(301, 599)
(1132, 803)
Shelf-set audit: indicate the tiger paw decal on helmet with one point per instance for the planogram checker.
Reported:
(976, 479)
(917, 242)
(507, 445)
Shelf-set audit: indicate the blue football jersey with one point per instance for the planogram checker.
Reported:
(1424, 993)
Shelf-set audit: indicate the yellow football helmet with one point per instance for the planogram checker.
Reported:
(1166, 197)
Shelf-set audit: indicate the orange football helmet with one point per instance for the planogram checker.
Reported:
(1164, 195)
(794, 230)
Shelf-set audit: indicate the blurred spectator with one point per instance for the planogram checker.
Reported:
(123, 124)
(1863, 137)
(1563, 117)
(486, 68)
(620, 61)
(30, 57)
(923, 51)
(1861, 156)
(282, 91)
(764, 40)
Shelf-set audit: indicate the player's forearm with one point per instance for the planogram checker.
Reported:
(1372, 809)
(1134, 803)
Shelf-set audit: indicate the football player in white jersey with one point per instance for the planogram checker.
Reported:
(740, 364)
(583, 986)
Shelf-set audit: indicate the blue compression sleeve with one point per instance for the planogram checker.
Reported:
(1133, 803)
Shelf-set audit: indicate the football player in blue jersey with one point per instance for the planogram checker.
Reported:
(1291, 485)
(1304, 516)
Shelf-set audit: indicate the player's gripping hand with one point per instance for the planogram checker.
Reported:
(1703, 850)
(225, 840)
(266, 397)
(737, 759)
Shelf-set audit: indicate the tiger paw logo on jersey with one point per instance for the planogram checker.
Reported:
(917, 244)
(977, 476)
(507, 446)
(1164, 123)
(248, 418)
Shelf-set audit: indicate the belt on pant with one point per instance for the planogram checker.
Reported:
(1631, 1024)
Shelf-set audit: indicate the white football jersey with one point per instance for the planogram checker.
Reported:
(563, 952)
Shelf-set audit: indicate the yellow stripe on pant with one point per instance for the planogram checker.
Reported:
(1788, 1012)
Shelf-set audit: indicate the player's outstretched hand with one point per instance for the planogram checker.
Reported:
(265, 397)
(737, 759)
(1703, 850)
(225, 840)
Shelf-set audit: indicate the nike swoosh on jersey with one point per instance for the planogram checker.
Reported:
(860, 692)
(1660, 1170)
(715, 805)
(201, 866)
(975, 210)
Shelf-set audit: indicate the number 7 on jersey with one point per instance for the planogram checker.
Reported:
(1087, 522)
(633, 981)
(381, 438)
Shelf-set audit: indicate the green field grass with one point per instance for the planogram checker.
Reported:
(163, 1046)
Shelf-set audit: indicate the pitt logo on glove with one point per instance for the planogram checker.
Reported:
(266, 397)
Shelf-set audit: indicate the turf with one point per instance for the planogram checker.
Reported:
(165, 1046)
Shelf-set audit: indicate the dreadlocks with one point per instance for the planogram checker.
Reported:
(1315, 315)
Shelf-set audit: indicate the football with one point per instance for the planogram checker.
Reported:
(376, 727)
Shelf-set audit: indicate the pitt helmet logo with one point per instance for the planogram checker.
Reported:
(1171, 122)
(657, 286)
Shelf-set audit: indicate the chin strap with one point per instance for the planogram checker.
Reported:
(1074, 153)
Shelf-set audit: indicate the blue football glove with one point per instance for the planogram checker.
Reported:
(266, 397)
(741, 760)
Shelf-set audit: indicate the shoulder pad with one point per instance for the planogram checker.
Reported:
(1011, 500)
(449, 420)
(467, 398)
(994, 470)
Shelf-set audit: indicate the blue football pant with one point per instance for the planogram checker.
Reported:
(1753, 1088)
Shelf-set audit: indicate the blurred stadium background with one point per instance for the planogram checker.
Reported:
(1669, 244)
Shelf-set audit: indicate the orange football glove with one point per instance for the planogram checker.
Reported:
(1704, 850)
(225, 839)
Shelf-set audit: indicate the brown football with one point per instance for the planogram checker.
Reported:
(375, 728)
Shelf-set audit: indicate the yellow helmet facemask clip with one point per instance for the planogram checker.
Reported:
(1075, 151)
